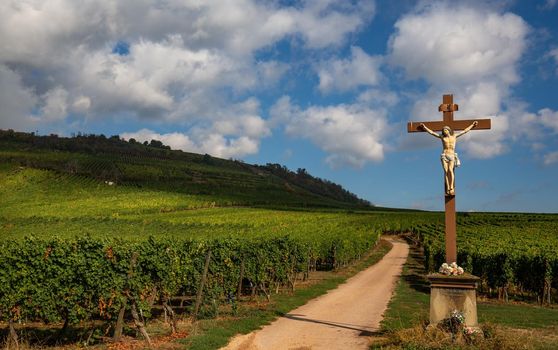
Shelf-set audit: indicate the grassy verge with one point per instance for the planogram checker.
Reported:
(410, 303)
(212, 334)
(518, 315)
(507, 326)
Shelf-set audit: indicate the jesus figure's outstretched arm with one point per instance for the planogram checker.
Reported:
(425, 128)
(467, 129)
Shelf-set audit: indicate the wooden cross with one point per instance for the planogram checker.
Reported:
(447, 108)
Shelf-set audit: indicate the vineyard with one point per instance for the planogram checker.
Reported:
(514, 254)
(76, 249)
(72, 280)
(220, 181)
(93, 236)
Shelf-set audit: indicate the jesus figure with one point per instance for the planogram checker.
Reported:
(449, 157)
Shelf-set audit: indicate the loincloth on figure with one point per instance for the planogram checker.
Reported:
(448, 158)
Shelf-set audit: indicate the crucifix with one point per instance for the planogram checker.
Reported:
(449, 160)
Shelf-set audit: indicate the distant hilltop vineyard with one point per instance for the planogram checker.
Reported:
(156, 166)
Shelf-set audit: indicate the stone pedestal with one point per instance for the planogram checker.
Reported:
(448, 293)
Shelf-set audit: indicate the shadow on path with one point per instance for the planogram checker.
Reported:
(365, 331)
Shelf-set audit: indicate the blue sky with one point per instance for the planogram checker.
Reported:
(323, 85)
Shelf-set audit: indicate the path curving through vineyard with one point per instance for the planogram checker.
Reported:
(343, 318)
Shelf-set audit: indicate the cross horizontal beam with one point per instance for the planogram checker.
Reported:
(454, 124)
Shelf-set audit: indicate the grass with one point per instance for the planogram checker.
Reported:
(212, 334)
(507, 326)
(518, 315)
(495, 338)
(410, 303)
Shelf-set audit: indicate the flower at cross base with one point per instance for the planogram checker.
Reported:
(451, 269)
(470, 330)
(454, 323)
(457, 316)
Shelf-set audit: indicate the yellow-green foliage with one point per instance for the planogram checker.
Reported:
(66, 245)
(514, 252)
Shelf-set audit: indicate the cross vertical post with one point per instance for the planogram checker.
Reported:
(451, 230)
(447, 108)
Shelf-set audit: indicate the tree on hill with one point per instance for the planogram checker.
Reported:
(314, 184)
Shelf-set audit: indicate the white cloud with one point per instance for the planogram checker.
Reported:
(42, 33)
(476, 101)
(554, 54)
(155, 76)
(544, 121)
(551, 158)
(175, 140)
(549, 4)
(351, 134)
(16, 101)
(270, 72)
(81, 104)
(243, 26)
(468, 45)
(360, 69)
(472, 53)
(55, 106)
(549, 119)
(249, 125)
(200, 141)
(376, 97)
(219, 134)
(220, 146)
(484, 100)
(190, 64)
(488, 143)
(327, 22)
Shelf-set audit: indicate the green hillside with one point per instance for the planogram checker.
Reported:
(53, 187)
(91, 160)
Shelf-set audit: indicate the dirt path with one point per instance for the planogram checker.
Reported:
(344, 318)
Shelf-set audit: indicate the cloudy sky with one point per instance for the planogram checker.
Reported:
(323, 85)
